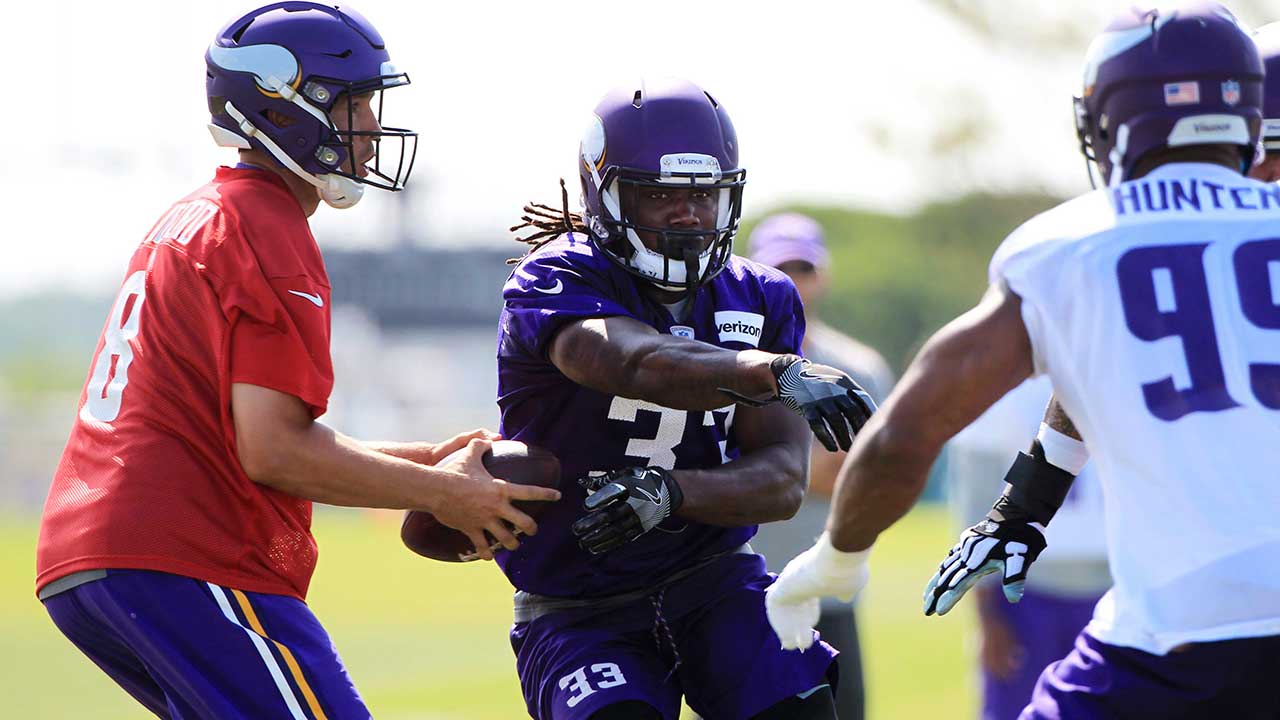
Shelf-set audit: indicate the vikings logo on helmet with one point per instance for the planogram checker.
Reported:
(1152, 80)
(297, 59)
(661, 134)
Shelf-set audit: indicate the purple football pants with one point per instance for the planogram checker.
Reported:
(185, 648)
(1046, 627)
(705, 637)
(1236, 679)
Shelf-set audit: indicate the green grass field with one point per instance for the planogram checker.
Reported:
(428, 641)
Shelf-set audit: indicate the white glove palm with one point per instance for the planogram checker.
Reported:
(793, 601)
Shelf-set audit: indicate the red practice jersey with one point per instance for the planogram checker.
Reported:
(228, 287)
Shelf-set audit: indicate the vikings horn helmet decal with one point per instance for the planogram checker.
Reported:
(665, 133)
(298, 59)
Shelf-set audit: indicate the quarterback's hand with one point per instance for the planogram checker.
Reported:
(623, 505)
(442, 450)
(833, 404)
(477, 502)
(793, 602)
(1005, 546)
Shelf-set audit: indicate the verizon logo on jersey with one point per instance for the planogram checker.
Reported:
(738, 326)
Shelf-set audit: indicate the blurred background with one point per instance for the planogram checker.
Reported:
(918, 132)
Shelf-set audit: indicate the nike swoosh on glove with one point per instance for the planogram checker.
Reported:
(623, 505)
(833, 404)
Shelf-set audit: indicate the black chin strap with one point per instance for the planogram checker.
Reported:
(690, 272)
(1088, 168)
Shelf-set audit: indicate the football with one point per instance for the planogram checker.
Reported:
(507, 460)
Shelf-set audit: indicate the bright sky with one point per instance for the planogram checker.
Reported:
(109, 127)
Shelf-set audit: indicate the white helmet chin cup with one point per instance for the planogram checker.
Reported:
(652, 264)
(340, 192)
(655, 265)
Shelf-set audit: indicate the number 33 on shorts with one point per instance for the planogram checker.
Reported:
(587, 679)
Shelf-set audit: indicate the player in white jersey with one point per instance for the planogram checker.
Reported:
(1154, 306)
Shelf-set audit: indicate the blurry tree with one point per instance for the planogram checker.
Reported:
(1046, 28)
(896, 279)
(951, 146)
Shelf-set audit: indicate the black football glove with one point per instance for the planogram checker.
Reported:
(833, 404)
(1007, 541)
(623, 505)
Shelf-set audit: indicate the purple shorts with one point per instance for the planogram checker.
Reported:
(704, 637)
(1046, 627)
(185, 648)
(1234, 679)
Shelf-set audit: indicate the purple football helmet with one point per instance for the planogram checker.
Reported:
(1267, 38)
(661, 133)
(1187, 75)
(298, 59)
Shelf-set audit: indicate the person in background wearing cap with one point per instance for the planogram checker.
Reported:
(1267, 38)
(794, 244)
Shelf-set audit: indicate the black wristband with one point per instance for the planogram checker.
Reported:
(1037, 486)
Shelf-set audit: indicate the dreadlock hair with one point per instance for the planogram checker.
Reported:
(548, 223)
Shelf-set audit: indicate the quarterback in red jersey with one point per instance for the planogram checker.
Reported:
(175, 548)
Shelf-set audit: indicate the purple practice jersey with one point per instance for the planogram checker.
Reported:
(746, 306)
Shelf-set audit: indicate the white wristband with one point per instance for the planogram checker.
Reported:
(1062, 451)
(838, 562)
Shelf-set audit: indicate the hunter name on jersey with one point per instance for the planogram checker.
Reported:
(1150, 195)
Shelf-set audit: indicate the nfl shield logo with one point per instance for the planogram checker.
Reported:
(683, 331)
(1231, 92)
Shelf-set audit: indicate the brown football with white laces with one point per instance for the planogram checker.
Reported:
(507, 460)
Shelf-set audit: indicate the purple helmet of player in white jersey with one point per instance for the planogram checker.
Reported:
(661, 133)
(298, 59)
(1186, 75)
(1268, 39)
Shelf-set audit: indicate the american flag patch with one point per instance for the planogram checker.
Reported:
(1182, 93)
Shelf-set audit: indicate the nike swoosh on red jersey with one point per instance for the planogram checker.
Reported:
(313, 299)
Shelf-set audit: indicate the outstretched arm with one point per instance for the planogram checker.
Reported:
(961, 371)
(280, 446)
(624, 357)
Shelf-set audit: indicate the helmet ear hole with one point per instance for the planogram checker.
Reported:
(277, 118)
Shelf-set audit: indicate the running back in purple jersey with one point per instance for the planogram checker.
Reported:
(746, 306)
